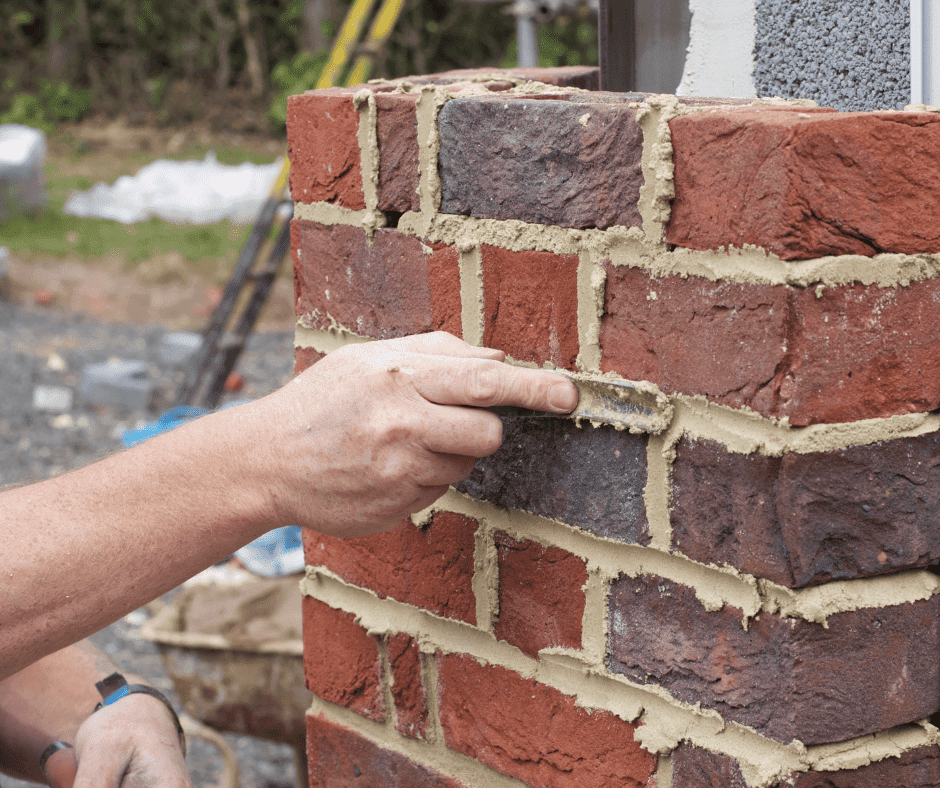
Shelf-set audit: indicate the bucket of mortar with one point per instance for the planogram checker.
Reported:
(235, 655)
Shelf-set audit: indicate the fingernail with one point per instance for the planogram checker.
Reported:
(562, 397)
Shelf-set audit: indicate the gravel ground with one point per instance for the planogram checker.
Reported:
(43, 347)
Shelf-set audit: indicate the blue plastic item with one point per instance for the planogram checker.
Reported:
(168, 421)
(274, 554)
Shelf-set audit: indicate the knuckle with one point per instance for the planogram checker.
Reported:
(484, 385)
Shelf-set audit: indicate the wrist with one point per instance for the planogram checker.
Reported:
(114, 688)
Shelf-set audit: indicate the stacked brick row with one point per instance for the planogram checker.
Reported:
(743, 599)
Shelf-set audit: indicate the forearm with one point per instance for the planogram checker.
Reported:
(83, 549)
(46, 702)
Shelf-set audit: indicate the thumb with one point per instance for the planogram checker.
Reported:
(60, 769)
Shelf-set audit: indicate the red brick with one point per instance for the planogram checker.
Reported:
(530, 305)
(835, 354)
(694, 767)
(804, 519)
(868, 670)
(431, 568)
(592, 478)
(541, 595)
(397, 131)
(408, 690)
(541, 160)
(323, 146)
(340, 758)
(534, 733)
(806, 184)
(394, 287)
(304, 358)
(341, 660)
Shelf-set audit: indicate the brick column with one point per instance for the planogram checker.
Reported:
(742, 599)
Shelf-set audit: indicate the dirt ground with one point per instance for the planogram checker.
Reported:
(165, 289)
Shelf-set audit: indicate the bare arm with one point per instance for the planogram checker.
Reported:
(363, 438)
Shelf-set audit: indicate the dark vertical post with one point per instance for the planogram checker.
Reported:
(616, 26)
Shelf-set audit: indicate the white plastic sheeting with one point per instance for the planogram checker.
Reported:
(22, 180)
(185, 192)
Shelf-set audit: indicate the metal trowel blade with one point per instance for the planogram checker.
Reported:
(638, 407)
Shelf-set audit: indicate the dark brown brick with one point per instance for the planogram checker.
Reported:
(397, 132)
(806, 184)
(394, 287)
(868, 670)
(338, 757)
(589, 477)
(694, 767)
(805, 519)
(810, 355)
(541, 595)
(573, 174)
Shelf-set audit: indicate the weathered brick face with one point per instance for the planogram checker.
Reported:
(748, 597)
(806, 184)
(786, 678)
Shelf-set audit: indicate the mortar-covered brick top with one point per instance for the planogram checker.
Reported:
(806, 183)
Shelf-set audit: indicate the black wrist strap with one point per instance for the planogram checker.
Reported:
(115, 687)
(51, 750)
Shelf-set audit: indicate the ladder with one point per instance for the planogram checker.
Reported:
(260, 259)
(258, 264)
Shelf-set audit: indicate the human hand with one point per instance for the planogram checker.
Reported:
(377, 431)
(129, 744)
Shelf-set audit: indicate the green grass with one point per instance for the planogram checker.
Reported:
(52, 233)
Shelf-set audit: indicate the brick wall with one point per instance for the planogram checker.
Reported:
(742, 599)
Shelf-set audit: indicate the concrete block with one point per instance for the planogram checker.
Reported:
(125, 383)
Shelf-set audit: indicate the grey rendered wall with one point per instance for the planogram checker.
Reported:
(848, 55)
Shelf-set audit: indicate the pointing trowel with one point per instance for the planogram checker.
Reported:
(624, 404)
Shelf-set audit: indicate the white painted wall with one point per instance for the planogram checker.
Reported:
(720, 60)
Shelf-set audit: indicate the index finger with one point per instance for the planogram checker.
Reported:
(481, 383)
